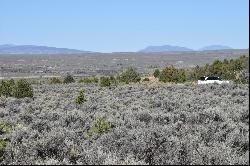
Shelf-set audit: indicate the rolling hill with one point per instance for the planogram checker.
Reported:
(215, 47)
(32, 49)
(165, 48)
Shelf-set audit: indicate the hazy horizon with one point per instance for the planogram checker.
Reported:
(124, 26)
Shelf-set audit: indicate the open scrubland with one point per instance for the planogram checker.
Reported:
(127, 124)
(103, 64)
(156, 117)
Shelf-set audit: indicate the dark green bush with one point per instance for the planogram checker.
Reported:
(105, 81)
(145, 79)
(156, 73)
(4, 129)
(22, 89)
(6, 87)
(68, 79)
(171, 74)
(100, 126)
(130, 75)
(113, 80)
(95, 80)
(55, 80)
(80, 98)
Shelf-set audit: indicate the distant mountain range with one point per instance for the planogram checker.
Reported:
(215, 47)
(164, 48)
(32, 49)
(169, 48)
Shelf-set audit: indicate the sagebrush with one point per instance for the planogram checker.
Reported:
(143, 124)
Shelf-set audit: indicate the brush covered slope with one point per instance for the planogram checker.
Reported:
(128, 124)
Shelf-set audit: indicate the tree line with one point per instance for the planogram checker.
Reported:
(236, 70)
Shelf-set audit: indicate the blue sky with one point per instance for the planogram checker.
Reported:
(124, 25)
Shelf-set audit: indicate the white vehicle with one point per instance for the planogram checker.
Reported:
(211, 80)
